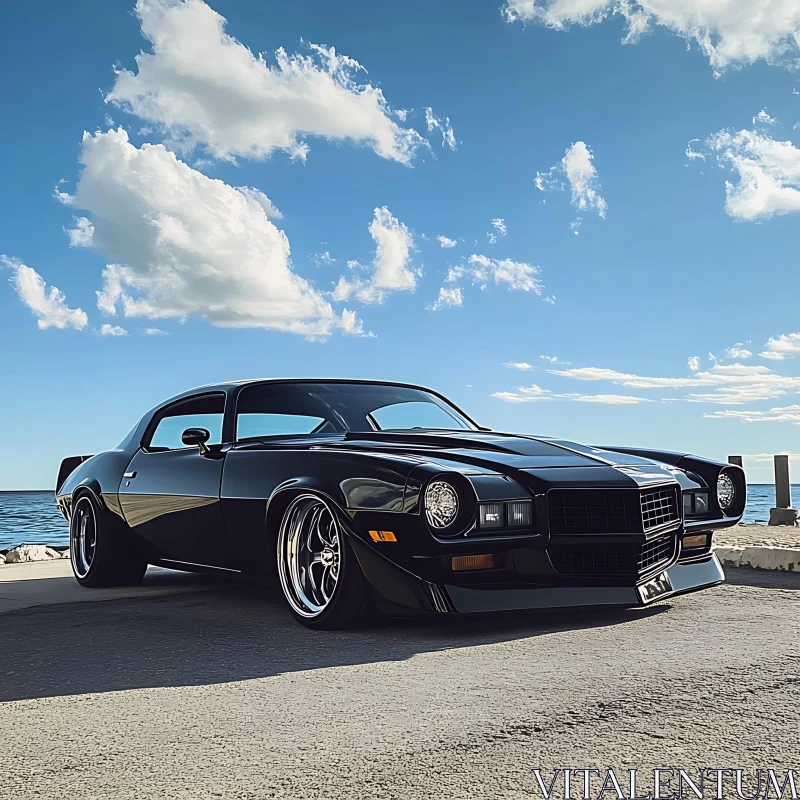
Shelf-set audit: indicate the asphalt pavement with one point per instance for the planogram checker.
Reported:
(215, 692)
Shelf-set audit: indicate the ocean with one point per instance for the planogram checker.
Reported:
(32, 517)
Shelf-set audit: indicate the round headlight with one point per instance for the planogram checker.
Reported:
(441, 504)
(726, 491)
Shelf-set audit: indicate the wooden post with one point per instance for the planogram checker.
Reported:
(783, 493)
(736, 460)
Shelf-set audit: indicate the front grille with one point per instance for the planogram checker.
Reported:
(577, 511)
(659, 508)
(612, 560)
(655, 552)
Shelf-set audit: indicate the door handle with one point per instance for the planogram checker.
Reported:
(129, 474)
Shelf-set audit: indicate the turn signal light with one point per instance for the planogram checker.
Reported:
(382, 536)
(461, 563)
(694, 541)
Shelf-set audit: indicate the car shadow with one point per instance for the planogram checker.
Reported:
(223, 632)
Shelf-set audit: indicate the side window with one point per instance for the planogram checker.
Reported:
(205, 411)
(257, 425)
(265, 410)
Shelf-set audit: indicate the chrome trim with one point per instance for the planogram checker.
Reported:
(162, 561)
(439, 598)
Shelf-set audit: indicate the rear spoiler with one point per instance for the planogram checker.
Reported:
(68, 466)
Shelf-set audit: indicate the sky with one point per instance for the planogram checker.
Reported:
(573, 220)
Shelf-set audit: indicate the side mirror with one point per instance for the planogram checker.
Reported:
(196, 437)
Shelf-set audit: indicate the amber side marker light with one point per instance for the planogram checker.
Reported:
(382, 536)
(698, 540)
(461, 563)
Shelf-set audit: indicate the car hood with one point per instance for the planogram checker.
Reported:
(483, 448)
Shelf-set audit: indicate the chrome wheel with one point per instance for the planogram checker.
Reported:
(309, 555)
(83, 536)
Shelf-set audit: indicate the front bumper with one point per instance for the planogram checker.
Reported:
(683, 578)
(400, 590)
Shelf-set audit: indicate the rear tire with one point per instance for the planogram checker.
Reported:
(101, 548)
(319, 574)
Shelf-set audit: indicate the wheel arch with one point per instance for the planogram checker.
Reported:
(279, 501)
(90, 487)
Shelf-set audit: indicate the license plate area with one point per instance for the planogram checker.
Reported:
(655, 588)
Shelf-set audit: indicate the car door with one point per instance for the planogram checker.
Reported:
(170, 493)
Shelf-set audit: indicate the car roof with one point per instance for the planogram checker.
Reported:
(237, 384)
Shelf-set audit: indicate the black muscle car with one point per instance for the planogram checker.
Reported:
(361, 494)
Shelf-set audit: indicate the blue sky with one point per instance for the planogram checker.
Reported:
(626, 262)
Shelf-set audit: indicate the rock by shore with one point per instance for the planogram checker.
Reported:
(25, 553)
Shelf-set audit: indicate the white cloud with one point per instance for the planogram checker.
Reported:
(581, 175)
(444, 128)
(499, 224)
(201, 87)
(517, 275)
(65, 198)
(732, 384)
(445, 242)
(49, 306)
(353, 325)
(81, 235)
(763, 118)
(554, 360)
(778, 348)
(254, 194)
(609, 399)
(520, 365)
(154, 332)
(694, 363)
(693, 154)
(525, 394)
(535, 394)
(768, 170)
(785, 414)
(730, 33)
(325, 259)
(448, 298)
(391, 267)
(112, 330)
(182, 244)
(738, 351)
(482, 270)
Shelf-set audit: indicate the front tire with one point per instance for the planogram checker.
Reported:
(318, 570)
(101, 548)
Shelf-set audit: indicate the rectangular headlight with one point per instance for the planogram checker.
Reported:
(696, 503)
(701, 503)
(492, 515)
(520, 513)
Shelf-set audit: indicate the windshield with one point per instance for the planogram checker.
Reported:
(281, 409)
